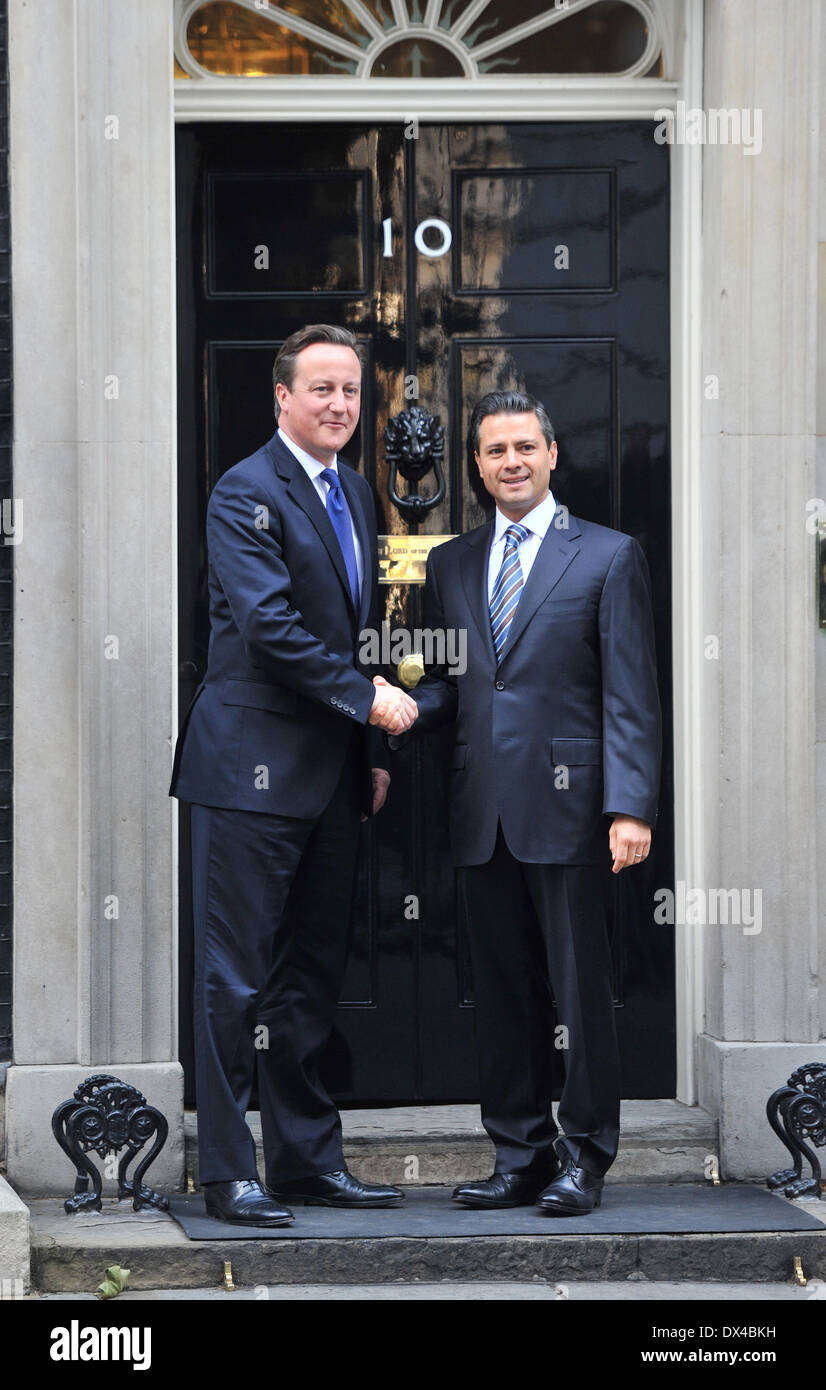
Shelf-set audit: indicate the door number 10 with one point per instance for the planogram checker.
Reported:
(418, 237)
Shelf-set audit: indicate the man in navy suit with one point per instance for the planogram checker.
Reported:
(555, 771)
(277, 759)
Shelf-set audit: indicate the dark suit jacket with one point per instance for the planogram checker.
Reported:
(284, 685)
(565, 729)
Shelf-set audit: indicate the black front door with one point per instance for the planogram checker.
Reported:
(465, 258)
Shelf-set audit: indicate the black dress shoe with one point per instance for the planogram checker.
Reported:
(338, 1189)
(501, 1190)
(244, 1203)
(574, 1193)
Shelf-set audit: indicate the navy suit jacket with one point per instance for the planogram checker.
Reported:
(565, 729)
(270, 724)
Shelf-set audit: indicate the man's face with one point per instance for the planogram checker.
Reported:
(514, 462)
(321, 409)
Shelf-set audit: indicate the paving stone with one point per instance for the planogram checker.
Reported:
(631, 1290)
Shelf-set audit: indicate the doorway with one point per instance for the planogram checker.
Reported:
(465, 257)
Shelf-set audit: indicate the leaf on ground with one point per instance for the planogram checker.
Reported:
(114, 1282)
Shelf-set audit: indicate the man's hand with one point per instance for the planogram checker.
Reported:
(629, 840)
(393, 710)
(381, 781)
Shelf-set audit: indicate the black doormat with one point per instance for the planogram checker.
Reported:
(627, 1209)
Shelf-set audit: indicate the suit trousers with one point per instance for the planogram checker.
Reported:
(272, 900)
(535, 929)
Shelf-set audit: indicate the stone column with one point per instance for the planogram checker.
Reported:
(95, 977)
(765, 1001)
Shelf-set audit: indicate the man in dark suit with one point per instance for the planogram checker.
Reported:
(275, 756)
(556, 762)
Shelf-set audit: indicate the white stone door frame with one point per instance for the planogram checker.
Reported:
(95, 675)
(325, 99)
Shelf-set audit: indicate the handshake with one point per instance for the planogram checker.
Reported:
(393, 709)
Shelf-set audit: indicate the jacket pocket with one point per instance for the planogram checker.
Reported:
(258, 695)
(565, 603)
(570, 752)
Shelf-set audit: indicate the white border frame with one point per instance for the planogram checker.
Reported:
(385, 99)
(333, 99)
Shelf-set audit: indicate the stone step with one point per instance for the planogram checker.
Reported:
(14, 1242)
(660, 1141)
(71, 1253)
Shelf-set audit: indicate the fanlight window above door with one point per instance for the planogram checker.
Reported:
(416, 38)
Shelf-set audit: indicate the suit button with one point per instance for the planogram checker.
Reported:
(500, 685)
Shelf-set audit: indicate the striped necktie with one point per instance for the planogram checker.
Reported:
(508, 587)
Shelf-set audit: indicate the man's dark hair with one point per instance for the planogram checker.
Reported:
(284, 366)
(507, 403)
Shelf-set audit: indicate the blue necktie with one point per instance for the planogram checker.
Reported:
(339, 515)
(508, 587)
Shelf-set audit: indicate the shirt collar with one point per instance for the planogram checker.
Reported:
(537, 520)
(313, 466)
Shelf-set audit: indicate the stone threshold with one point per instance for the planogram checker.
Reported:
(660, 1141)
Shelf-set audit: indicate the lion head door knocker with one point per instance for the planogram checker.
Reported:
(415, 444)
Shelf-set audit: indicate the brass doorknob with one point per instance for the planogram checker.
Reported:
(411, 669)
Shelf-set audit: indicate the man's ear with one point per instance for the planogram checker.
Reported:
(478, 465)
(281, 394)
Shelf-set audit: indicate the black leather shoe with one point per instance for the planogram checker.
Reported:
(574, 1193)
(501, 1190)
(338, 1189)
(244, 1203)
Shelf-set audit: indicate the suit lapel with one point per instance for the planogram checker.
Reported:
(474, 571)
(553, 557)
(303, 493)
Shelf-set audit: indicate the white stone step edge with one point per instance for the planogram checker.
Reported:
(15, 1244)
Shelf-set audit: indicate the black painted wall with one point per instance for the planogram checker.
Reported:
(6, 555)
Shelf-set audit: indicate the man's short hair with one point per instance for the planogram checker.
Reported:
(284, 366)
(507, 403)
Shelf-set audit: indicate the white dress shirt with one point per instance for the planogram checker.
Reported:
(536, 523)
(314, 469)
